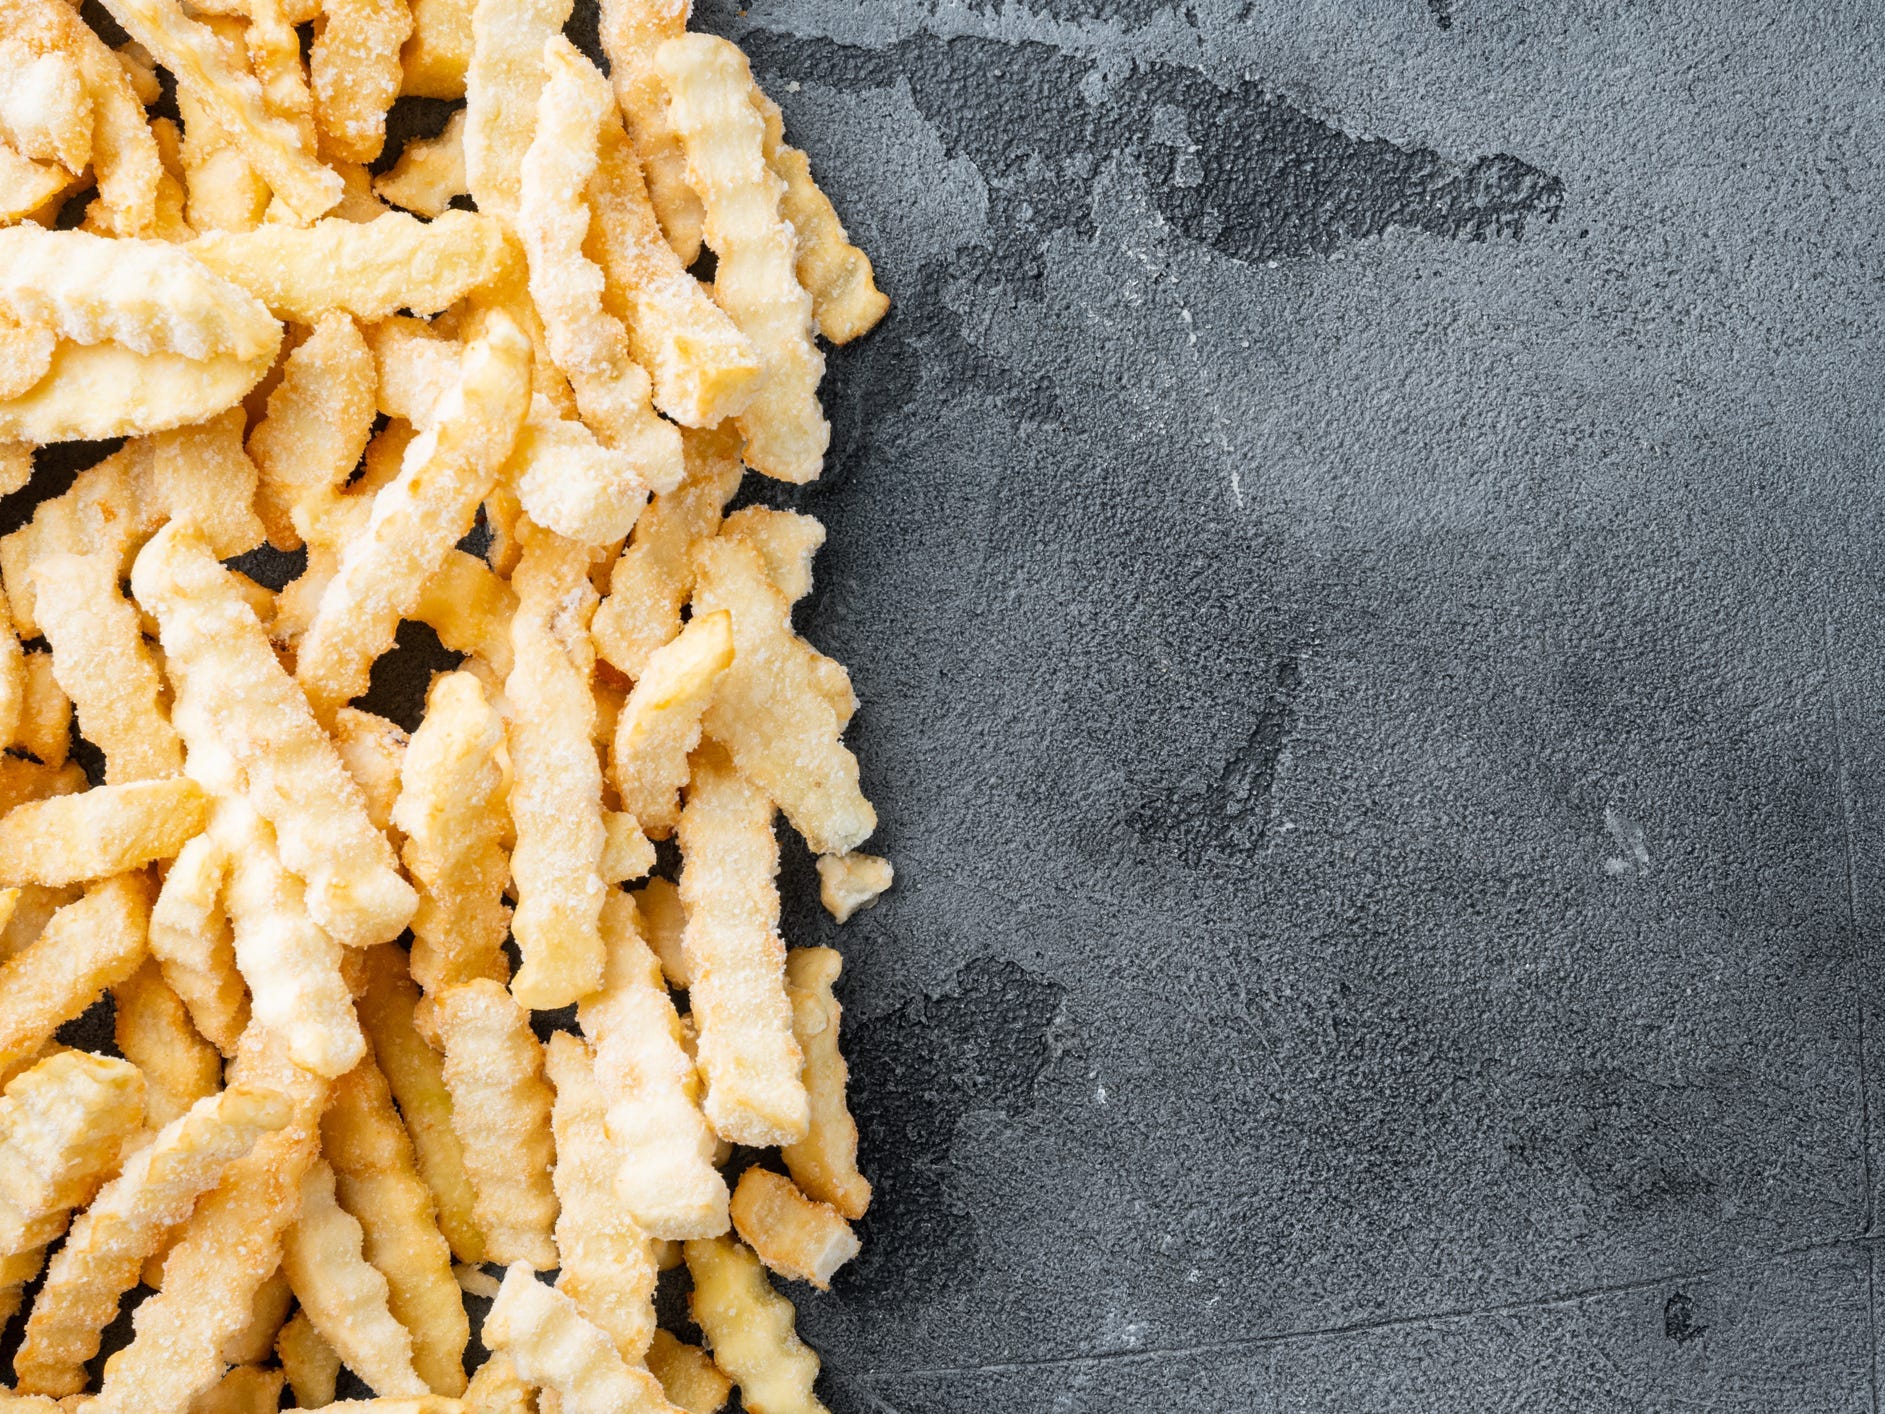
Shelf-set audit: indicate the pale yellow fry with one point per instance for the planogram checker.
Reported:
(153, 1031)
(796, 1236)
(451, 809)
(554, 1346)
(417, 519)
(355, 73)
(12, 678)
(556, 784)
(95, 391)
(631, 31)
(268, 1309)
(233, 696)
(783, 733)
(369, 270)
(202, 474)
(109, 1242)
(63, 1125)
(343, 1294)
(497, 1388)
(234, 101)
(45, 111)
(824, 1162)
(470, 608)
(736, 960)
(25, 355)
(588, 343)
(651, 579)
(28, 187)
(418, 366)
(124, 152)
(190, 937)
(848, 882)
(86, 947)
(45, 724)
(627, 853)
(704, 369)
(845, 297)
(607, 1269)
(787, 542)
(148, 296)
(16, 466)
(665, 1176)
(661, 723)
(501, 1111)
(755, 281)
(502, 82)
(750, 1329)
(688, 1375)
(245, 1389)
(371, 748)
(430, 172)
(320, 417)
(663, 921)
(274, 55)
(101, 660)
(437, 55)
(416, 1074)
(223, 190)
(109, 506)
(309, 1362)
(230, 1248)
(475, 1281)
(570, 483)
(292, 966)
(378, 1182)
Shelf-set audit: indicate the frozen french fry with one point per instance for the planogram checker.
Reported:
(631, 31)
(570, 483)
(796, 1236)
(153, 1031)
(103, 831)
(255, 1338)
(497, 1388)
(470, 608)
(663, 922)
(430, 172)
(190, 937)
(824, 1162)
(355, 74)
(245, 1389)
(502, 83)
(688, 1375)
(660, 724)
(556, 1348)
(25, 355)
(434, 60)
(86, 947)
(319, 419)
(501, 1111)
(312, 1367)
(751, 1329)
(372, 749)
(848, 882)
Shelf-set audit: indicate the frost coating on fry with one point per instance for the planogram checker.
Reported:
(153, 1031)
(501, 1110)
(416, 1074)
(501, 87)
(755, 282)
(371, 748)
(572, 484)
(25, 355)
(100, 659)
(45, 112)
(319, 419)
(378, 1182)
(786, 541)
(369, 270)
(470, 608)
(736, 960)
(86, 947)
(688, 1375)
(782, 732)
(355, 75)
(660, 724)
(556, 783)
(309, 1362)
(607, 1269)
(665, 1175)
(191, 939)
(431, 170)
(556, 1348)
(848, 882)
(824, 1162)
(751, 1329)
(232, 695)
(796, 1236)
(110, 1241)
(344, 1296)
(631, 31)
(417, 519)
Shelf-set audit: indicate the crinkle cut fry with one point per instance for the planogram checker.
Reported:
(87, 946)
(556, 1348)
(320, 416)
(824, 1162)
(106, 830)
(355, 74)
(153, 1031)
(233, 696)
(631, 31)
(310, 1363)
(660, 724)
(191, 939)
(795, 1236)
(501, 87)
(430, 171)
(750, 1328)
(109, 1242)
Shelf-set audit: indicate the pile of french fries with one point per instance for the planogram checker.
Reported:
(329, 1116)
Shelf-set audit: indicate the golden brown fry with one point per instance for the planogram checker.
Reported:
(749, 1328)
(245, 1389)
(554, 1346)
(470, 609)
(153, 1031)
(607, 1269)
(342, 1294)
(87, 946)
(451, 809)
(502, 82)
(319, 419)
(371, 748)
(430, 172)
(110, 1241)
(848, 882)
(665, 1175)
(355, 74)
(378, 1182)
(796, 1236)
(45, 723)
(101, 661)
(190, 937)
(736, 960)
(661, 723)
(663, 921)
(497, 1388)
(556, 785)
(824, 1162)
(845, 297)
(631, 31)
(268, 1308)
(781, 731)
(230, 1248)
(233, 696)
(417, 519)
(63, 1125)
(107, 830)
(436, 56)
(688, 1375)
(309, 1362)
(501, 1111)
(370, 271)
(417, 1076)
(755, 282)
(652, 578)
